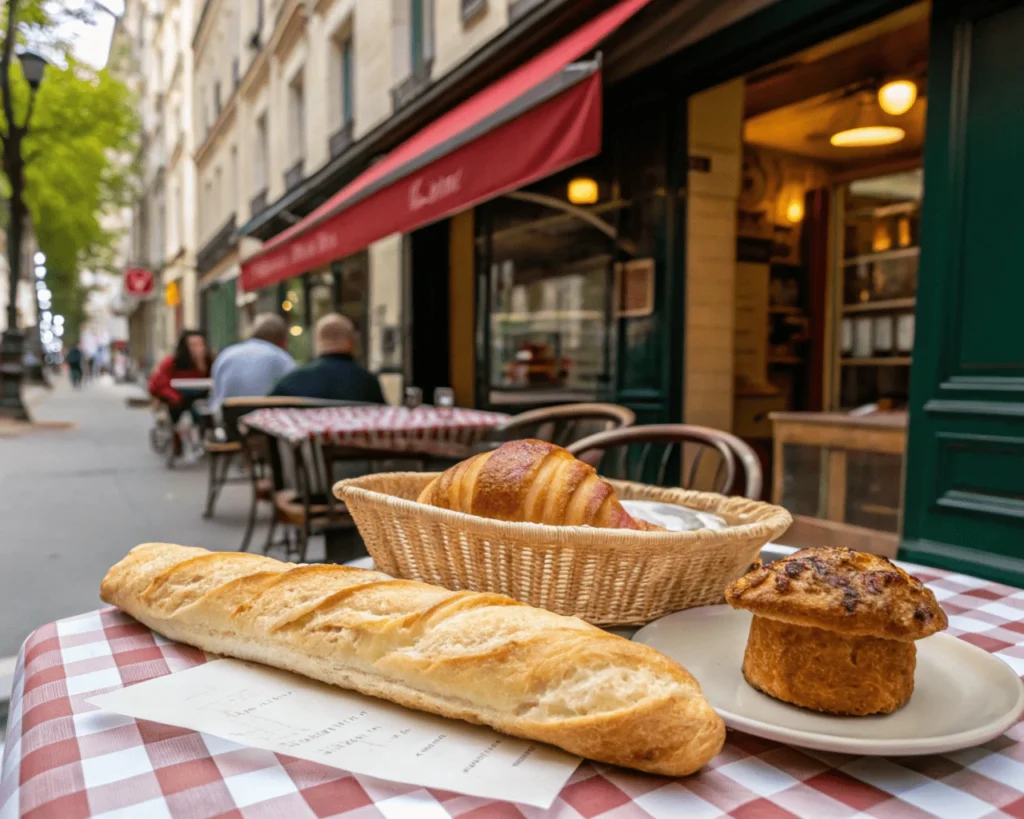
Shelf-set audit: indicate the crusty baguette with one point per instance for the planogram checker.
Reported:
(531, 481)
(483, 658)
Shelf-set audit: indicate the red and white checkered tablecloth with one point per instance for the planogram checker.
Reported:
(424, 430)
(65, 759)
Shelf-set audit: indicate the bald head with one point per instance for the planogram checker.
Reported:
(270, 327)
(334, 334)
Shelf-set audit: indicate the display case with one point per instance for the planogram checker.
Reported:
(876, 289)
(841, 476)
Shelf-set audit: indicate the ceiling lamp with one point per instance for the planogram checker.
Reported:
(868, 136)
(583, 191)
(861, 123)
(897, 97)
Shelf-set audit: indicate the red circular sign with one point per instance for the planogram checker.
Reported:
(138, 281)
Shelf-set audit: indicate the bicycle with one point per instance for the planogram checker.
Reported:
(172, 440)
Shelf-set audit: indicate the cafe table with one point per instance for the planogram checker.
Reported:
(444, 432)
(65, 759)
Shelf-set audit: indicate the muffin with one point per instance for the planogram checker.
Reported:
(834, 630)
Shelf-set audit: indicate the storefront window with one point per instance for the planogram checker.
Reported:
(550, 282)
(353, 291)
(293, 306)
(321, 297)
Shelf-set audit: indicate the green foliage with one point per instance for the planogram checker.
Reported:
(80, 153)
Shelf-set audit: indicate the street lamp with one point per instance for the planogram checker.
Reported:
(32, 66)
(12, 346)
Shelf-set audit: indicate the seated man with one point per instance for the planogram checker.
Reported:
(253, 367)
(333, 375)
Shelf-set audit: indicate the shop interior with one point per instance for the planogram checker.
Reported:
(828, 230)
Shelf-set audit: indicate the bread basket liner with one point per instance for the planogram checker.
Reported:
(608, 577)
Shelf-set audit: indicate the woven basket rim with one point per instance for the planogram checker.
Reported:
(770, 520)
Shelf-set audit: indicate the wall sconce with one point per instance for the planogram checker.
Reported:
(583, 191)
(795, 211)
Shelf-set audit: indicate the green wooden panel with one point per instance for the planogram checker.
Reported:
(990, 337)
(222, 315)
(965, 472)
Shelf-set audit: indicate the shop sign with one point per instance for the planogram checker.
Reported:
(138, 282)
(172, 295)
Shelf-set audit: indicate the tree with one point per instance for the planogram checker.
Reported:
(79, 168)
(67, 154)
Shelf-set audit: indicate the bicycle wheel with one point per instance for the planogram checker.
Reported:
(160, 438)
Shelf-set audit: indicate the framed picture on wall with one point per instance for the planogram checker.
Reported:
(634, 288)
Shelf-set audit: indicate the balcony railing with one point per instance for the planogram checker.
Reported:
(413, 85)
(293, 176)
(259, 203)
(218, 245)
(341, 139)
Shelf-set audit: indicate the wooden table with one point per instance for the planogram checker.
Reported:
(837, 435)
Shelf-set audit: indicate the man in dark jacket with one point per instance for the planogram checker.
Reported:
(333, 375)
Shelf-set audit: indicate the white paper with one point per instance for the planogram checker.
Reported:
(672, 517)
(277, 711)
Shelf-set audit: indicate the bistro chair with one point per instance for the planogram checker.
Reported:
(681, 445)
(265, 468)
(221, 453)
(312, 508)
(561, 424)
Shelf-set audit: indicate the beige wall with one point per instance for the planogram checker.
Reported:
(301, 38)
(715, 131)
(455, 40)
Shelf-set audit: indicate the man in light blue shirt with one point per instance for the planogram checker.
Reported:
(253, 367)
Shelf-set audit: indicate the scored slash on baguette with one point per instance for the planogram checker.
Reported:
(483, 658)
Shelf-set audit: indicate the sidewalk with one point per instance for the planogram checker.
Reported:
(74, 501)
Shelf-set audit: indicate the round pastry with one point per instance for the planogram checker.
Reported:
(834, 630)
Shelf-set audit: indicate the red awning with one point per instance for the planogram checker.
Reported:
(538, 119)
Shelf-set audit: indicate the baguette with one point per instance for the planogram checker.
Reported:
(483, 658)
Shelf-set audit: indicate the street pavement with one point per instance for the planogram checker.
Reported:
(74, 501)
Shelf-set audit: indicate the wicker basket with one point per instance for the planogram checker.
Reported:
(609, 577)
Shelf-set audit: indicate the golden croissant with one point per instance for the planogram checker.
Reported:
(531, 481)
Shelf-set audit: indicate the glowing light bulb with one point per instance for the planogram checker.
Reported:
(897, 97)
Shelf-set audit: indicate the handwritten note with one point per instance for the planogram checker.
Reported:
(277, 711)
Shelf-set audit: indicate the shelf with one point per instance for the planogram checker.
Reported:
(784, 359)
(883, 361)
(786, 311)
(881, 305)
(883, 256)
(886, 210)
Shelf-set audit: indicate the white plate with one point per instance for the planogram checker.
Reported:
(963, 696)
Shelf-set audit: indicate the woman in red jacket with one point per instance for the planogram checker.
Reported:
(191, 359)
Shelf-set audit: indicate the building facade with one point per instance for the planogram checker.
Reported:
(660, 203)
(158, 36)
(285, 96)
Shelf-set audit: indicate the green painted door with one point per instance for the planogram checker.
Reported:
(965, 470)
(221, 315)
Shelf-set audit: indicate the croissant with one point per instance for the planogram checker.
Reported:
(531, 481)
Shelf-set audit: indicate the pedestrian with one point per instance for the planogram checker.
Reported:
(74, 361)
(334, 375)
(191, 359)
(253, 367)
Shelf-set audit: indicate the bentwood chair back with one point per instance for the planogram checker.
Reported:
(562, 424)
(267, 470)
(626, 454)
